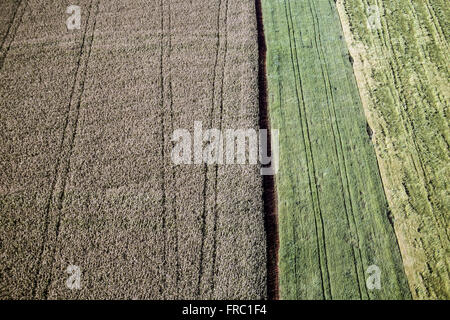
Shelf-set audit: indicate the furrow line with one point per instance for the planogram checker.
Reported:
(205, 180)
(10, 24)
(318, 210)
(163, 174)
(341, 159)
(72, 142)
(307, 146)
(60, 167)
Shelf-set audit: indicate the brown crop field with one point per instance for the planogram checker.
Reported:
(86, 177)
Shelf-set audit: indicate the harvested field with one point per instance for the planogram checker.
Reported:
(333, 215)
(402, 67)
(86, 177)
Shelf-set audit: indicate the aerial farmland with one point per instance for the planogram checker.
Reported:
(224, 149)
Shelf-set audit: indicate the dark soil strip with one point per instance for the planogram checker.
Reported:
(269, 190)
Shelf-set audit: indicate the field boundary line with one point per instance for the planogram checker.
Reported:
(409, 127)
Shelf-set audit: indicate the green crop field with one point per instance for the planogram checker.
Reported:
(402, 67)
(334, 221)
